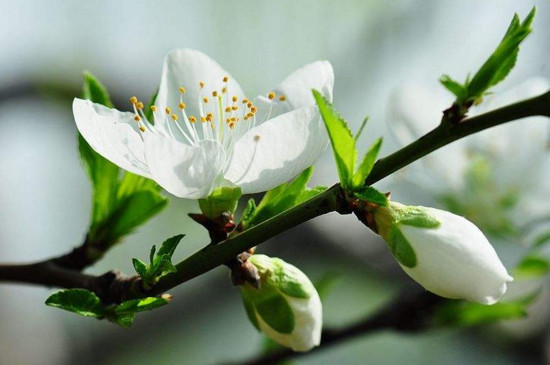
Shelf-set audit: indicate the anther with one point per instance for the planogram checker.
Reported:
(282, 98)
(182, 90)
(249, 104)
(234, 98)
(235, 107)
(192, 119)
(201, 84)
(133, 100)
(253, 109)
(174, 117)
(225, 79)
(245, 100)
(139, 105)
(153, 108)
(137, 118)
(203, 119)
(142, 128)
(256, 138)
(168, 110)
(224, 90)
(181, 105)
(214, 93)
(228, 109)
(205, 100)
(271, 95)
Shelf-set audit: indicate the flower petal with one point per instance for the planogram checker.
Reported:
(111, 134)
(188, 68)
(296, 90)
(277, 150)
(184, 171)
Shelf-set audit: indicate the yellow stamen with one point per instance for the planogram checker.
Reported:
(203, 119)
(225, 79)
(174, 117)
(153, 108)
(224, 90)
(282, 98)
(192, 119)
(249, 104)
(139, 105)
(182, 90)
(168, 110)
(245, 100)
(205, 100)
(142, 128)
(234, 99)
(133, 100)
(271, 95)
(253, 109)
(181, 105)
(214, 93)
(235, 107)
(201, 84)
(228, 109)
(137, 118)
(256, 138)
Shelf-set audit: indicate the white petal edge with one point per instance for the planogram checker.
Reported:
(183, 170)
(111, 134)
(187, 68)
(277, 150)
(297, 90)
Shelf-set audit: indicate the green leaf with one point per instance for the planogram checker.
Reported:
(341, 138)
(367, 164)
(454, 87)
(140, 305)
(310, 193)
(464, 313)
(249, 211)
(531, 267)
(95, 91)
(361, 128)
(371, 195)
(140, 267)
(125, 321)
(222, 200)
(168, 247)
(79, 301)
(401, 248)
(279, 199)
(130, 213)
(418, 217)
(132, 183)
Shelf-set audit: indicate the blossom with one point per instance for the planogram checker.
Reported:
(206, 133)
(286, 308)
(445, 253)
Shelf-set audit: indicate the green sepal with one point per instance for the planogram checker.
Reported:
(79, 301)
(371, 195)
(222, 200)
(401, 248)
(418, 217)
(277, 313)
(287, 281)
(341, 138)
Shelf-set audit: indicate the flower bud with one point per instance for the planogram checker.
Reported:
(445, 253)
(286, 308)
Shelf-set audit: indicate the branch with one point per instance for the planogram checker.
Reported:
(409, 312)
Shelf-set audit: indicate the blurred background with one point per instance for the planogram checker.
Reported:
(387, 57)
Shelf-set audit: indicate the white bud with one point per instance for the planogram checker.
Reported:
(445, 253)
(286, 308)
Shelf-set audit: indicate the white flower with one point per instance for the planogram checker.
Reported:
(445, 253)
(206, 133)
(286, 308)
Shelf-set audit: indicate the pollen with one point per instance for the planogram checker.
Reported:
(182, 90)
(181, 105)
(192, 119)
(234, 98)
(174, 117)
(253, 109)
(250, 115)
(139, 105)
(271, 95)
(142, 128)
(245, 100)
(133, 100)
(225, 79)
(249, 104)
(205, 100)
(224, 90)
(228, 109)
(282, 98)
(168, 110)
(235, 107)
(153, 108)
(214, 93)
(201, 84)
(137, 118)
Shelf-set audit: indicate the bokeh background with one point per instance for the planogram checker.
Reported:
(378, 49)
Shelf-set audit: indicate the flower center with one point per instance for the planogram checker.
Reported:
(222, 117)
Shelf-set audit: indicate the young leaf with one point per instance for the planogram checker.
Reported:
(140, 267)
(361, 128)
(371, 195)
(169, 246)
(531, 267)
(366, 165)
(125, 313)
(454, 87)
(95, 91)
(79, 301)
(341, 138)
